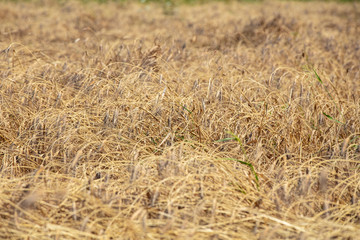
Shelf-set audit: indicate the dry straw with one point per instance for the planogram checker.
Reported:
(217, 121)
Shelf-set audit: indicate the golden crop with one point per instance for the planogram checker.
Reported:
(213, 121)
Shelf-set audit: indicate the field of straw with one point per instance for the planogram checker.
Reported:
(213, 121)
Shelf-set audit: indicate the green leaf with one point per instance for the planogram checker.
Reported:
(225, 139)
(185, 108)
(250, 166)
(331, 118)
(317, 76)
(234, 137)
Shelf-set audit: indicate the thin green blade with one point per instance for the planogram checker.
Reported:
(317, 76)
(331, 118)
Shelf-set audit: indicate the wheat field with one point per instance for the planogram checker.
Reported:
(202, 121)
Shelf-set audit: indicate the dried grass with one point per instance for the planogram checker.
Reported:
(122, 122)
